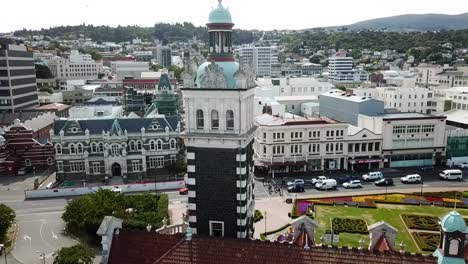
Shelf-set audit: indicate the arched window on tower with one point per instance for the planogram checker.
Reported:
(214, 119)
(229, 120)
(58, 149)
(200, 119)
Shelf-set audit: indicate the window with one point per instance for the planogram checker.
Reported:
(229, 120)
(96, 168)
(101, 147)
(428, 128)
(115, 150)
(132, 145)
(50, 161)
(156, 162)
(454, 247)
(27, 162)
(72, 149)
(364, 147)
(58, 149)
(136, 165)
(200, 119)
(152, 145)
(94, 148)
(76, 166)
(371, 146)
(413, 129)
(214, 119)
(216, 229)
(139, 145)
(264, 150)
(399, 129)
(60, 166)
(172, 143)
(264, 136)
(80, 148)
(350, 148)
(159, 145)
(377, 146)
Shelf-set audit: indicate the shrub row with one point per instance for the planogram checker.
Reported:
(258, 216)
(348, 225)
(421, 222)
(426, 241)
(263, 236)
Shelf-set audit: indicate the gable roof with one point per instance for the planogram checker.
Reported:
(131, 125)
(132, 247)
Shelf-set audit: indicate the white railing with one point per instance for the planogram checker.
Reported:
(172, 229)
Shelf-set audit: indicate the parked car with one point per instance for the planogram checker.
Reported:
(345, 179)
(117, 190)
(463, 165)
(384, 182)
(183, 191)
(352, 184)
(451, 175)
(328, 184)
(295, 182)
(296, 188)
(23, 171)
(412, 178)
(372, 176)
(319, 179)
(426, 168)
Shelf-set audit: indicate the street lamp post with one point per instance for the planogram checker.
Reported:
(265, 220)
(422, 187)
(3, 248)
(42, 254)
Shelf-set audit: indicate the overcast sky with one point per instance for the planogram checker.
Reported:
(247, 14)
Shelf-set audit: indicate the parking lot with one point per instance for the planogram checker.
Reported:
(429, 179)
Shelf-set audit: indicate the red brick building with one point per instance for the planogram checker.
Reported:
(19, 147)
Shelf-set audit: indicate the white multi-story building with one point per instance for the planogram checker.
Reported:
(403, 99)
(129, 69)
(294, 143)
(444, 76)
(409, 139)
(76, 67)
(456, 97)
(340, 70)
(262, 58)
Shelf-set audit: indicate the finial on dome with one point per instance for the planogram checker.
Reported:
(220, 2)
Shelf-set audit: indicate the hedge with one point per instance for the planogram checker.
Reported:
(421, 222)
(258, 216)
(348, 225)
(427, 241)
(263, 236)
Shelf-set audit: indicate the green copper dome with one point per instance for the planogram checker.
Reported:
(453, 222)
(229, 69)
(220, 15)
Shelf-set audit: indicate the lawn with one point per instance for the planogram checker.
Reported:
(386, 212)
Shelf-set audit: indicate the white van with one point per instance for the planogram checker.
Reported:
(372, 176)
(326, 184)
(451, 175)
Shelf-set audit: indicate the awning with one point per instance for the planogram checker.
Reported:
(365, 161)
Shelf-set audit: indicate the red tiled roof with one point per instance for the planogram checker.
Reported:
(382, 245)
(139, 247)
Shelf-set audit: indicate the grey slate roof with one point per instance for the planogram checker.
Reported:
(132, 125)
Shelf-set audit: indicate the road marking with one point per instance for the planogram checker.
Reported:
(54, 235)
(42, 238)
(58, 212)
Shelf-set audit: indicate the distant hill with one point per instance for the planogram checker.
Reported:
(424, 22)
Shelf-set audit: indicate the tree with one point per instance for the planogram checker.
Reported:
(177, 71)
(43, 72)
(80, 253)
(176, 168)
(7, 218)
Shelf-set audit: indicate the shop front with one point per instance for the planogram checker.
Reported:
(365, 164)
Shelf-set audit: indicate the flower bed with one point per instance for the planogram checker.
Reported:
(348, 225)
(421, 222)
(426, 241)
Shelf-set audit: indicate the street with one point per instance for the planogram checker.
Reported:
(40, 227)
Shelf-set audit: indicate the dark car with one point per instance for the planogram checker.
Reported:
(384, 182)
(426, 168)
(296, 188)
(346, 178)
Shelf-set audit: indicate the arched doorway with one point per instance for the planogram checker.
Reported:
(116, 169)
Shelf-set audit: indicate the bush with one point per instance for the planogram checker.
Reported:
(348, 225)
(83, 215)
(80, 253)
(421, 222)
(7, 218)
(258, 216)
(427, 241)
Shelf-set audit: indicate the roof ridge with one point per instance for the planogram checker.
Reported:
(170, 250)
